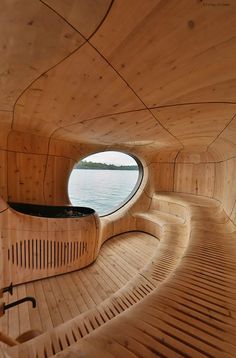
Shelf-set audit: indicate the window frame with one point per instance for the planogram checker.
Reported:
(132, 193)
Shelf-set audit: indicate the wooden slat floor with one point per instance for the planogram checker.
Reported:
(63, 297)
(186, 313)
(192, 313)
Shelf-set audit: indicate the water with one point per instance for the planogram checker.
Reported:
(102, 190)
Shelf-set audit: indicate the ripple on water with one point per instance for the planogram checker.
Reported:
(102, 190)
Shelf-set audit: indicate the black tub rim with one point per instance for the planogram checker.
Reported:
(52, 211)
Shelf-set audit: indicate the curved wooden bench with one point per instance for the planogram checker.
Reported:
(36, 247)
(192, 313)
(173, 234)
(189, 305)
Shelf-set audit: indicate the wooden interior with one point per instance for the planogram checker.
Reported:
(36, 247)
(60, 298)
(155, 79)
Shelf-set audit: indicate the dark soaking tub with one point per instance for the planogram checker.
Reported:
(47, 240)
(50, 211)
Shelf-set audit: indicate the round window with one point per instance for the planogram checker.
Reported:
(105, 181)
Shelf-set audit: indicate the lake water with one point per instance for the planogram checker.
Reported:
(102, 190)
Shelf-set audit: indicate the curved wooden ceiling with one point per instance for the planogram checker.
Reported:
(134, 73)
(33, 39)
(84, 15)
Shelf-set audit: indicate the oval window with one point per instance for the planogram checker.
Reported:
(104, 181)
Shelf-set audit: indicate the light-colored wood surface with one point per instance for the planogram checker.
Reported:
(35, 247)
(167, 51)
(127, 66)
(188, 313)
(25, 51)
(61, 298)
(173, 233)
(156, 80)
(175, 320)
(99, 85)
(203, 122)
(84, 15)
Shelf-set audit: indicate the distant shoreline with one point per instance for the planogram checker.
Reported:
(103, 166)
(105, 169)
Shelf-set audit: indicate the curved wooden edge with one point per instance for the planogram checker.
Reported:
(37, 247)
(3, 205)
(8, 340)
(196, 271)
(173, 235)
(190, 313)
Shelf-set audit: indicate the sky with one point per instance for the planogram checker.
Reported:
(110, 157)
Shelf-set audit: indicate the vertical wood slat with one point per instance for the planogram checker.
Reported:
(25, 255)
(43, 254)
(40, 254)
(41, 247)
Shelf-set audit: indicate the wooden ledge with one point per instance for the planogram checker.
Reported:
(192, 313)
(161, 265)
(188, 308)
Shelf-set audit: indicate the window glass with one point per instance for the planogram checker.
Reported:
(104, 181)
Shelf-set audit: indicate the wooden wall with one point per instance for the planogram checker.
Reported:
(35, 169)
(156, 79)
(159, 84)
(195, 179)
(36, 247)
(30, 174)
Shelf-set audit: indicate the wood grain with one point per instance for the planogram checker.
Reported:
(84, 15)
(155, 79)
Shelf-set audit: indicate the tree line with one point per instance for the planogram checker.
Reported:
(91, 165)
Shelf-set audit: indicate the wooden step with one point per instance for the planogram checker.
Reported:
(155, 222)
(160, 265)
(192, 312)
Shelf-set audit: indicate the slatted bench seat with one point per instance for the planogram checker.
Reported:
(192, 313)
(189, 305)
(172, 232)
